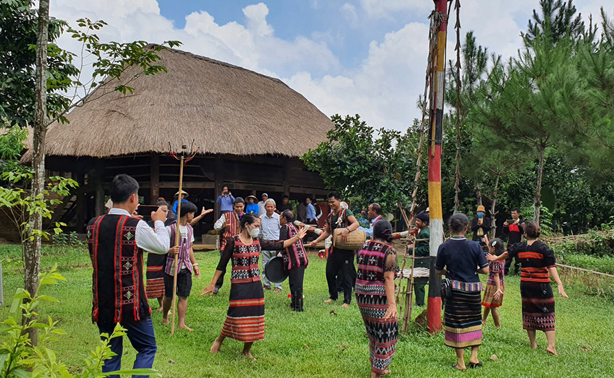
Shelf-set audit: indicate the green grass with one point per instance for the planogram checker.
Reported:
(604, 264)
(317, 343)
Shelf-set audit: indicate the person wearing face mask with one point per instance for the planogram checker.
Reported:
(480, 227)
(228, 225)
(245, 320)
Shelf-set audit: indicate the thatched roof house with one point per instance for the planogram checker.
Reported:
(250, 130)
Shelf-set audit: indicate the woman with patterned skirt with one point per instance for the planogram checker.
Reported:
(460, 260)
(245, 318)
(538, 264)
(377, 266)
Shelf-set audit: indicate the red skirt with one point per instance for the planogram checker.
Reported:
(245, 318)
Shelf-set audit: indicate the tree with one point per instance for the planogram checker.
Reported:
(112, 59)
(556, 21)
(364, 165)
(18, 34)
(518, 98)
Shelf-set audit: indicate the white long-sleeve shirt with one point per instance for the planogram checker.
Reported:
(220, 222)
(146, 238)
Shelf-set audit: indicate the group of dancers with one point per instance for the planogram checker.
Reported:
(117, 240)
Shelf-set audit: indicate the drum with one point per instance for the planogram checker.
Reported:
(275, 270)
(355, 240)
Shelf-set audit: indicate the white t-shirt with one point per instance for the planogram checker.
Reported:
(184, 235)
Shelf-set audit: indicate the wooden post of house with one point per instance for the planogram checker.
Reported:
(80, 177)
(286, 180)
(219, 181)
(154, 173)
(99, 182)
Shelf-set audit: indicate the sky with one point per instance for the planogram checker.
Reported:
(364, 57)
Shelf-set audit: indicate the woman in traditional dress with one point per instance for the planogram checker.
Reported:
(460, 260)
(377, 266)
(245, 319)
(154, 287)
(537, 265)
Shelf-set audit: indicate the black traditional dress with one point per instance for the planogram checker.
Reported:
(374, 259)
(295, 262)
(245, 317)
(463, 310)
(535, 289)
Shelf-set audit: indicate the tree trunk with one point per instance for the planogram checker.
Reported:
(32, 246)
(478, 193)
(493, 206)
(538, 190)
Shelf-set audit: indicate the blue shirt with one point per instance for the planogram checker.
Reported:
(252, 208)
(183, 200)
(226, 203)
(462, 258)
(311, 212)
(369, 231)
(269, 227)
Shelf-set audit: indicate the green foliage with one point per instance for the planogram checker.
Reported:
(19, 358)
(19, 204)
(19, 26)
(558, 20)
(18, 32)
(66, 240)
(364, 164)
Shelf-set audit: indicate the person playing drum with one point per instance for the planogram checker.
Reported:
(339, 260)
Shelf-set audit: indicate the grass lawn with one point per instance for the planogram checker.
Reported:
(319, 343)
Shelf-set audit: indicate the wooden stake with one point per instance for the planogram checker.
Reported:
(410, 292)
(177, 242)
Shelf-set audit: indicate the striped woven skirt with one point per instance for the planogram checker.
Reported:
(537, 306)
(154, 287)
(489, 301)
(383, 333)
(245, 318)
(463, 318)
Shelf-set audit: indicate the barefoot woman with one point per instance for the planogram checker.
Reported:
(245, 319)
(538, 264)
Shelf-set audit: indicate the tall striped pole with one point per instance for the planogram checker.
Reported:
(434, 165)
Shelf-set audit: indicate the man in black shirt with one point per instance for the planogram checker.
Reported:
(514, 230)
(285, 205)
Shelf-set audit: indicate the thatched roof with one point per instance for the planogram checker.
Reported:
(225, 109)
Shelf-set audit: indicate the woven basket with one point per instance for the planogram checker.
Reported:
(355, 240)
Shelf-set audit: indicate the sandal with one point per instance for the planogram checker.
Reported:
(455, 366)
(473, 366)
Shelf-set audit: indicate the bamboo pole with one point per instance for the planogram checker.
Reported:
(177, 242)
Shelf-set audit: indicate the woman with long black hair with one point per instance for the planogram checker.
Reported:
(245, 318)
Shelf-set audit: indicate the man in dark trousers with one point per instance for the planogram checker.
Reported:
(480, 227)
(340, 261)
(116, 242)
(514, 228)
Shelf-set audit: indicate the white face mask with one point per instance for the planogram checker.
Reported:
(254, 232)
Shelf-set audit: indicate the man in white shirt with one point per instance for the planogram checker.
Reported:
(269, 230)
(116, 242)
(261, 209)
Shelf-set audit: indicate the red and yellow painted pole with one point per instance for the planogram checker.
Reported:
(434, 162)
